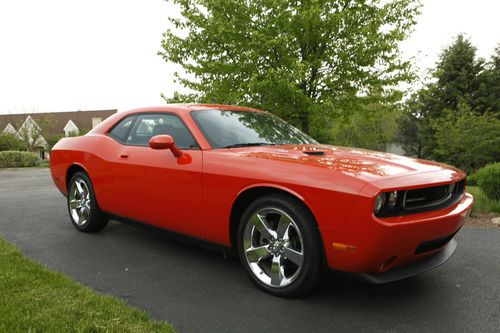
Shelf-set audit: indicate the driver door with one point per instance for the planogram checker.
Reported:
(153, 186)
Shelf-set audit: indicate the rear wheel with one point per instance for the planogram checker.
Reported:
(82, 205)
(279, 245)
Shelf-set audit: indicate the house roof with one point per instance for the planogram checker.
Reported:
(54, 122)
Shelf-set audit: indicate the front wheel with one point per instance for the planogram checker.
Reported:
(279, 245)
(82, 205)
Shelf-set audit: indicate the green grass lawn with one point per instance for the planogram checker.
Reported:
(43, 164)
(482, 204)
(36, 299)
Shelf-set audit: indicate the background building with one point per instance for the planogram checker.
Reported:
(36, 129)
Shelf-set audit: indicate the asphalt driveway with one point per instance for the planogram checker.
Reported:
(199, 291)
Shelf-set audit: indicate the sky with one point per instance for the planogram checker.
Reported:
(63, 55)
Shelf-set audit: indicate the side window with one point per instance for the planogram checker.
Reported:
(149, 125)
(120, 131)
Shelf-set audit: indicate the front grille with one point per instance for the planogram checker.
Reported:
(429, 196)
(423, 199)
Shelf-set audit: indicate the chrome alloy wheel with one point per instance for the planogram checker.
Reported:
(273, 247)
(79, 202)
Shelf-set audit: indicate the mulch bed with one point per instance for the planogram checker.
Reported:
(483, 221)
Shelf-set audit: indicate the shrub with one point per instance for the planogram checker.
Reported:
(488, 179)
(10, 142)
(472, 180)
(16, 159)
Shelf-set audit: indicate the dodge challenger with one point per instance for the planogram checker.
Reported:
(246, 181)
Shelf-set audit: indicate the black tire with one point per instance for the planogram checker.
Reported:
(95, 220)
(306, 277)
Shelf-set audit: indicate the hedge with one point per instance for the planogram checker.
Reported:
(472, 180)
(16, 159)
(488, 179)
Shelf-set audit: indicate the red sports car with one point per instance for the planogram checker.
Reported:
(249, 182)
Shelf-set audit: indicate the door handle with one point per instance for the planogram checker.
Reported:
(123, 155)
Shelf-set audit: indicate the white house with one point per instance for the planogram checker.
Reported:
(37, 128)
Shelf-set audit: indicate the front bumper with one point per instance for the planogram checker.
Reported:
(384, 250)
(403, 272)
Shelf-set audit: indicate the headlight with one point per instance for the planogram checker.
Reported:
(387, 203)
(379, 203)
(393, 198)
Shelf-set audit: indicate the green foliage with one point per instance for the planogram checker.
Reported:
(372, 127)
(302, 60)
(35, 299)
(472, 180)
(73, 134)
(43, 164)
(483, 204)
(488, 179)
(16, 159)
(10, 142)
(456, 84)
(455, 118)
(408, 134)
(457, 77)
(31, 132)
(53, 139)
(467, 140)
(487, 99)
(179, 98)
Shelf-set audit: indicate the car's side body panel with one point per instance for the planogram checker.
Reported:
(84, 152)
(227, 173)
(139, 186)
(155, 187)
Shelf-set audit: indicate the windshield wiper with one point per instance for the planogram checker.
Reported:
(249, 144)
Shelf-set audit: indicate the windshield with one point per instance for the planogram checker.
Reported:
(230, 129)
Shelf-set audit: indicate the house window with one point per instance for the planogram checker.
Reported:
(96, 121)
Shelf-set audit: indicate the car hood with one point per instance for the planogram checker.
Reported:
(365, 164)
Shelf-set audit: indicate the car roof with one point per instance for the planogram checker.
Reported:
(180, 109)
(191, 107)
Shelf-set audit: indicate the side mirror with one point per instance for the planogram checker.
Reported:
(165, 142)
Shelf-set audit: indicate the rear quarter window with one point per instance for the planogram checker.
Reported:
(121, 130)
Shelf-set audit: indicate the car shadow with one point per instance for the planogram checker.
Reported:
(332, 288)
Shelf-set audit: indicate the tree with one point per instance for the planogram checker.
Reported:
(52, 140)
(488, 94)
(31, 131)
(372, 127)
(456, 82)
(408, 134)
(467, 140)
(301, 59)
(456, 75)
(10, 141)
(456, 118)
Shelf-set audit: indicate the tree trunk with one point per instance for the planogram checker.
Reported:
(304, 121)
